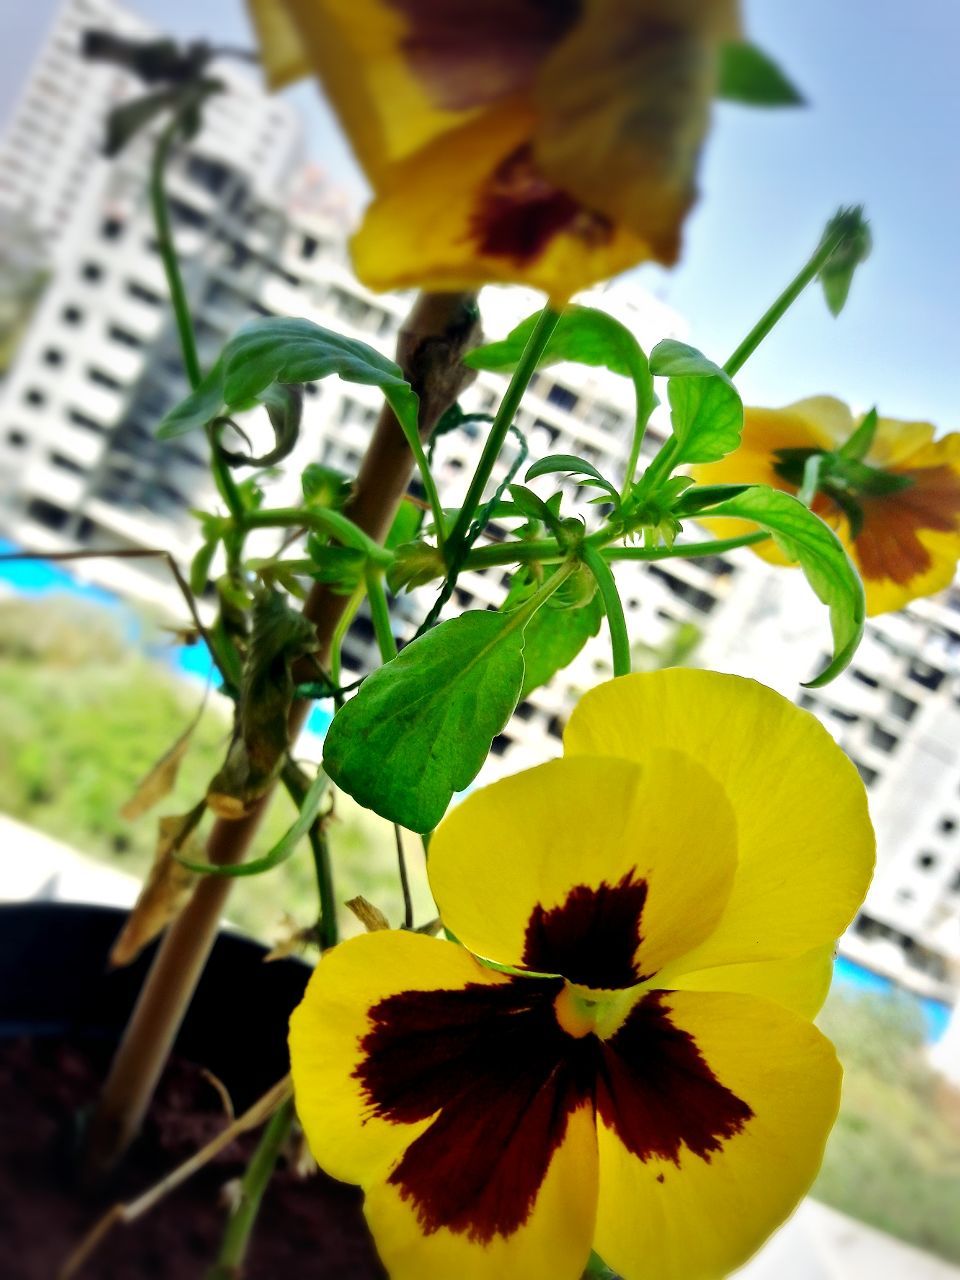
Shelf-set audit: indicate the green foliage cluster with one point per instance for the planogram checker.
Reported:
(893, 1159)
(83, 717)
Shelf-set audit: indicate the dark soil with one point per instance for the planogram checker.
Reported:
(311, 1228)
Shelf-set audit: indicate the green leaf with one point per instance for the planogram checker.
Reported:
(200, 407)
(532, 505)
(583, 336)
(287, 351)
(836, 276)
(750, 76)
(421, 726)
(292, 350)
(805, 538)
(200, 565)
(553, 638)
(324, 486)
(338, 567)
(406, 525)
(707, 417)
(568, 463)
(703, 496)
(130, 118)
(857, 446)
(672, 359)
(281, 851)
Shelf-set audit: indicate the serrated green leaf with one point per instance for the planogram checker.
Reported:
(749, 75)
(532, 505)
(583, 336)
(707, 417)
(421, 726)
(553, 638)
(805, 538)
(703, 496)
(568, 463)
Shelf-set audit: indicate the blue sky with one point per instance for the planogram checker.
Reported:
(881, 128)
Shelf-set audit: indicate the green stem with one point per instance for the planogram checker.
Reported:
(233, 1250)
(319, 520)
(380, 615)
(168, 252)
(323, 868)
(536, 345)
(340, 631)
(613, 607)
(821, 256)
(429, 484)
(404, 879)
(690, 551)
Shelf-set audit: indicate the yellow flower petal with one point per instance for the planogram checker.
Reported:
(452, 1095)
(346, 1136)
(625, 103)
(282, 52)
(799, 983)
(593, 868)
(699, 1216)
(805, 843)
(805, 425)
(553, 1244)
(471, 207)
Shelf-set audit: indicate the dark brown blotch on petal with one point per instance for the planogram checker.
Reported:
(501, 1077)
(519, 212)
(657, 1092)
(887, 545)
(592, 936)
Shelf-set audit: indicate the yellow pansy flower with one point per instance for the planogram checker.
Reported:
(643, 1077)
(552, 142)
(900, 521)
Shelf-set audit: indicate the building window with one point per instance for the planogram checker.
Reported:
(308, 247)
(500, 744)
(16, 439)
(111, 228)
(34, 396)
(927, 861)
(863, 678)
(47, 513)
(104, 379)
(901, 707)
(923, 674)
(209, 174)
(72, 315)
(92, 272)
(904, 895)
(125, 337)
(562, 397)
(143, 294)
(64, 463)
(882, 740)
(83, 420)
(53, 356)
(868, 775)
(947, 826)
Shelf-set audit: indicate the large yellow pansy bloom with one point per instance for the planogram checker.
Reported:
(553, 142)
(908, 542)
(644, 1077)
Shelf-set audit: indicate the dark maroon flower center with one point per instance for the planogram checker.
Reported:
(519, 212)
(592, 937)
(498, 1078)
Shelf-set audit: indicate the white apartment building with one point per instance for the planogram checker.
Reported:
(51, 148)
(80, 467)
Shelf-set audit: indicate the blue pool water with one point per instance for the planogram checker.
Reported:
(41, 577)
(848, 975)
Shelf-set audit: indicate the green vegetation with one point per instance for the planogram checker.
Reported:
(82, 719)
(893, 1159)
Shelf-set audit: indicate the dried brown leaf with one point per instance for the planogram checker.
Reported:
(166, 887)
(157, 783)
(371, 917)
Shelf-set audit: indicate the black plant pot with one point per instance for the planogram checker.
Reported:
(57, 992)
